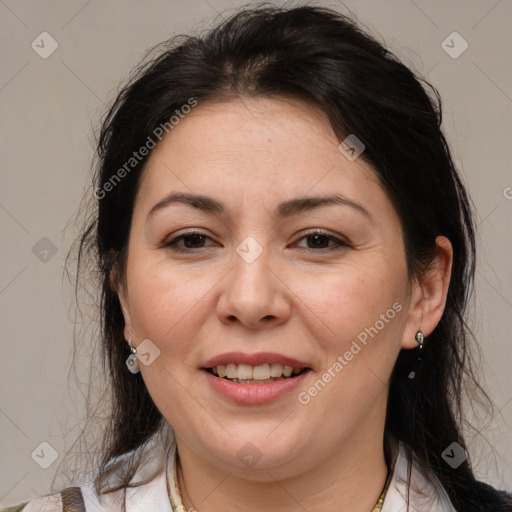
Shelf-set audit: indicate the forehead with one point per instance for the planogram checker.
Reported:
(267, 149)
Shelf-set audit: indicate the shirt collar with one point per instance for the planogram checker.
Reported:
(424, 494)
(162, 493)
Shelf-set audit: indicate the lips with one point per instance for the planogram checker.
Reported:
(255, 392)
(251, 379)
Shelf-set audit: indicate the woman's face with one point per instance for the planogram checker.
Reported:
(256, 287)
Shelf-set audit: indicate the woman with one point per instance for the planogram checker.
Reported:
(286, 251)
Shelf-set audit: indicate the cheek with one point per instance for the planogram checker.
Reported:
(341, 304)
(166, 304)
(355, 316)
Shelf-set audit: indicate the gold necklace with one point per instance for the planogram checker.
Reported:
(380, 501)
(174, 471)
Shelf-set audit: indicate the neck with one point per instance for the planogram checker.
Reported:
(350, 480)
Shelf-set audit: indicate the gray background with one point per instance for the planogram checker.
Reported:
(48, 108)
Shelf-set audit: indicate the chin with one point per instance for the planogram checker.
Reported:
(250, 452)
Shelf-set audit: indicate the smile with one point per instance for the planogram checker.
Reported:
(260, 374)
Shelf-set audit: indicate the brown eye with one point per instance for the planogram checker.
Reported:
(192, 241)
(321, 240)
(318, 241)
(187, 242)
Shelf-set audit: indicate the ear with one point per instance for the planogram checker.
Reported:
(118, 287)
(428, 294)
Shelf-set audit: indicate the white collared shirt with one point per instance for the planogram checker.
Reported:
(425, 492)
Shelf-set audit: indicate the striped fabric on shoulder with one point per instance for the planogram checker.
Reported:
(68, 500)
(72, 500)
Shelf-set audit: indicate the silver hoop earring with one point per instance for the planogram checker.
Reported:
(132, 362)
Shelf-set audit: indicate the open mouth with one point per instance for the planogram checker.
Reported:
(260, 374)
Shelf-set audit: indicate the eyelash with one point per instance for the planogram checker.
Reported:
(172, 244)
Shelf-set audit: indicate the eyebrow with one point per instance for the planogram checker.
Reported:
(284, 209)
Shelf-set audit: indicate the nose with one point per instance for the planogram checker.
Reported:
(254, 294)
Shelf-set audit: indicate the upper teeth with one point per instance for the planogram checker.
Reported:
(248, 372)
